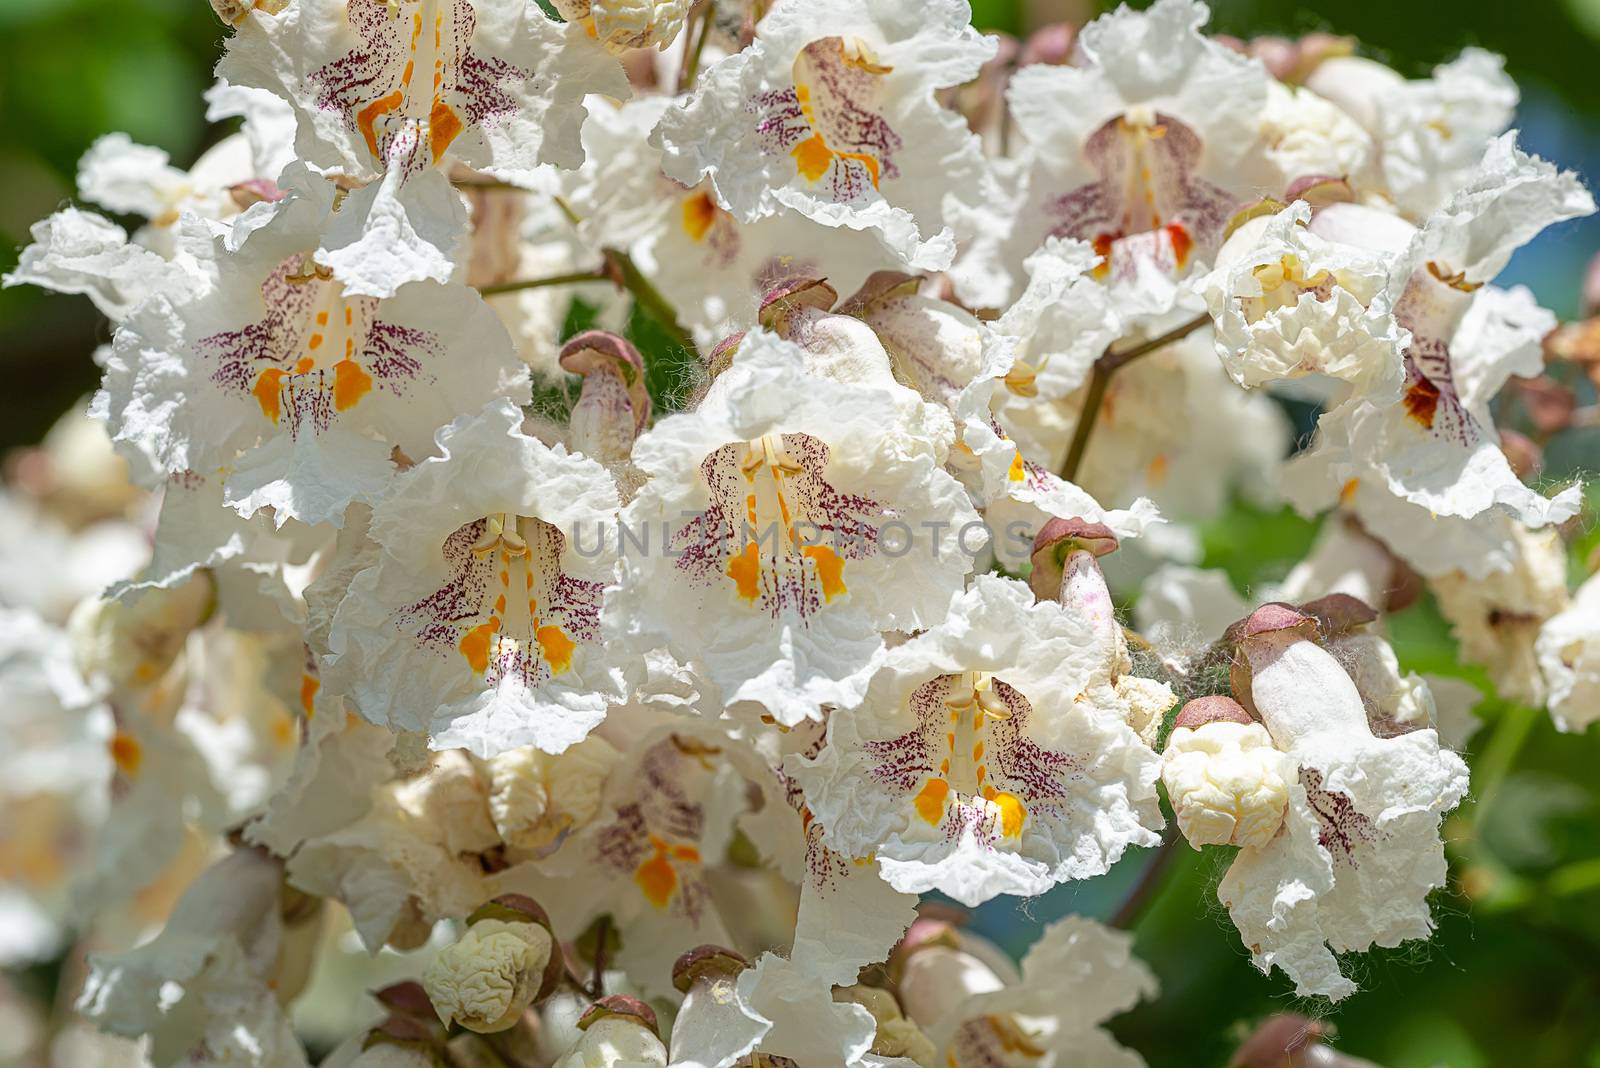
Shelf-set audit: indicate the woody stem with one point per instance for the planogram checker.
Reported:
(1111, 361)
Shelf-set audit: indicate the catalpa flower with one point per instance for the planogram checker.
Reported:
(1497, 618)
(1429, 134)
(1568, 648)
(1359, 850)
(209, 983)
(831, 112)
(1437, 448)
(1074, 978)
(479, 623)
(794, 519)
(976, 765)
(1139, 147)
(1012, 479)
(299, 390)
(380, 87)
(667, 816)
(388, 93)
(1287, 304)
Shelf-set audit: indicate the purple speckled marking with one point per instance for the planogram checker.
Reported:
(393, 355)
(1041, 778)
(661, 812)
(472, 85)
(1146, 187)
(836, 100)
(844, 522)
(1341, 828)
(466, 602)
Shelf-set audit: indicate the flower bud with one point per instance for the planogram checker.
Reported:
(895, 1035)
(504, 962)
(613, 405)
(1227, 783)
(705, 964)
(617, 1030)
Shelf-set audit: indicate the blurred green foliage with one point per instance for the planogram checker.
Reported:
(1513, 977)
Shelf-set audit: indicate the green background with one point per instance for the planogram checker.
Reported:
(1513, 977)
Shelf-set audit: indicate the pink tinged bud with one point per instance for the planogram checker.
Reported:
(406, 999)
(1591, 287)
(1213, 709)
(880, 287)
(1278, 54)
(1050, 44)
(1057, 540)
(720, 358)
(1270, 618)
(614, 404)
(924, 931)
(1526, 458)
(706, 963)
(784, 300)
(255, 191)
(1278, 1041)
(1339, 613)
(1320, 190)
(1549, 403)
(620, 1005)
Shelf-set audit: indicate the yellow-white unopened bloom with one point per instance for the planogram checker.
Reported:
(488, 978)
(1227, 783)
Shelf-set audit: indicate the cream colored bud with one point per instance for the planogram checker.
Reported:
(1227, 783)
(486, 979)
(613, 1041)
(896, 1036)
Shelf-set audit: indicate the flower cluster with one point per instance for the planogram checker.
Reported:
(620, 689)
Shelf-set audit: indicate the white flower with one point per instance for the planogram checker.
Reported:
(1430, 133)
(388, 93)
(1497, 618)
(1359, 851)
(1077, 975)
(1288, 303)
(381, 87)
(1136, 148)
(666, 818)
(537, 798)
(206, 980)
(76, 251)
(976, 765)
(623, 24)
(831, 113)
(1568, 648)
(314, 386)
(1307, 136)
(800, 517)
(412, 859)
(479, 622)
(1437, 448)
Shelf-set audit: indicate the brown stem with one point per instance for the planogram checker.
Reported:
(597, 985)
(1107, 365)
